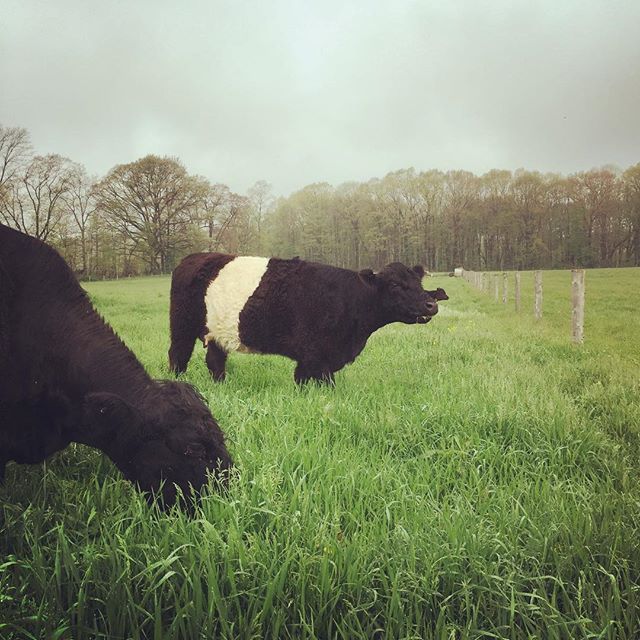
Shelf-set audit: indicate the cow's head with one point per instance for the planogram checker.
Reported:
(402, 298)
(169, 438)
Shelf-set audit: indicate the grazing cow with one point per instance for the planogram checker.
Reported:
(65, 376)
(318, 315)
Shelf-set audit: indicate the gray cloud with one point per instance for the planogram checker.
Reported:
(295, 92)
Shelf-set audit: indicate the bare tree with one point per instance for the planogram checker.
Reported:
(632, 206)
(34, 203)
(81, 204)
(596, 193)
(215, 213)
(461, 194)
(261, 199)
(224, 218)
(15, 148)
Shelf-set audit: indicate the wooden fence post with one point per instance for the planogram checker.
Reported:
(537, 305)
(482, 280)
(577, 299)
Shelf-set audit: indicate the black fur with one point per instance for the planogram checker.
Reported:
(187, 314)
(318, 315)
(65, 377)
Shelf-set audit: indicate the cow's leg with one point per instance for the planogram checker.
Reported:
(306, 372)
(179, 352)
(216, 359)
(2, 466)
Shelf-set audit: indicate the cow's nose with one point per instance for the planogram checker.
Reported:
(432, 308)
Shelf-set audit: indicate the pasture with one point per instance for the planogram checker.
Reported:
(474, 477)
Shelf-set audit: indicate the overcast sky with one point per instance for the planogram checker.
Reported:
(295, 92)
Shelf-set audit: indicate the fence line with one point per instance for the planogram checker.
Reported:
(490, 283)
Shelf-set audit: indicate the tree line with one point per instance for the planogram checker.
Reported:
(144, 216)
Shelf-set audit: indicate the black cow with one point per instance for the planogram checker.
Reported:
(318, 315)
(66, 377)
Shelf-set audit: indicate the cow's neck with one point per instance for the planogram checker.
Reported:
(99, 360)
(373, 316)
(115, 369)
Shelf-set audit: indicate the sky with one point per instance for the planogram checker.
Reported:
(295, 92)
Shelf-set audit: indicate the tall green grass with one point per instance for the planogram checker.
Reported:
(475, 477)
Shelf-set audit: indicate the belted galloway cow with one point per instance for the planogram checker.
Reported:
(65, 376)
(318, 315)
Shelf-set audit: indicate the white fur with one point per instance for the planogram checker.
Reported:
(226, 296)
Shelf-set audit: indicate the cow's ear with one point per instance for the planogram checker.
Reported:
(438, 294)
(419, 269)
(368, 276)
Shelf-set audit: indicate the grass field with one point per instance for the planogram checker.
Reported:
(473, 478)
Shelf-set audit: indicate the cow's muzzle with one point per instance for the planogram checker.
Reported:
(430, 310)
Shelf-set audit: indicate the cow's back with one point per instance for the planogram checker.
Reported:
(54, 337)
(300, 307)
(291, 307)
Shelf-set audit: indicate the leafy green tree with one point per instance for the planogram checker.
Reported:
(154, 203)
